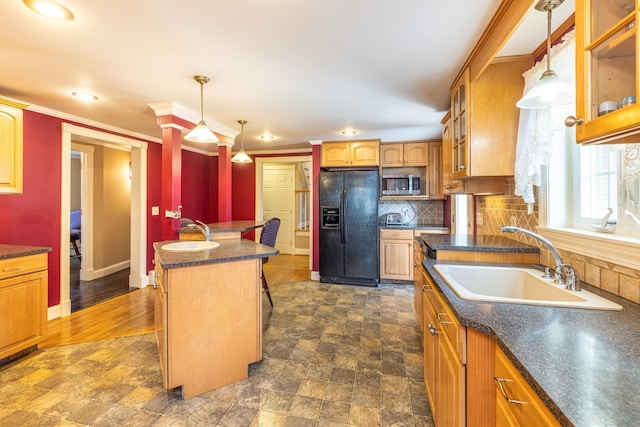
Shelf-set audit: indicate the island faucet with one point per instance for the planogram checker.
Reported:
(204, 229)
(565, 274)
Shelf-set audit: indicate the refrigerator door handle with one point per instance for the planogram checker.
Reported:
(342, 224)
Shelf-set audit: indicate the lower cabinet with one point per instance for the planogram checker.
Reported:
(418, 257)
(516, 402)
(23, 303)
(469, 380)
(396, 254)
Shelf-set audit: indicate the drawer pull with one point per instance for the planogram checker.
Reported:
(443, 322)
(17, 268)
(432, 329)
(499, 381)
(427, 288)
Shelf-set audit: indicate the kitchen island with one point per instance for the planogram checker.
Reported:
(221, 230)
(208, 313)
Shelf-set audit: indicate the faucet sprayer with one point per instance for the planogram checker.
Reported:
(565, 274)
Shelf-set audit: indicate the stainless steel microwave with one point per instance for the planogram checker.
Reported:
(400, 185)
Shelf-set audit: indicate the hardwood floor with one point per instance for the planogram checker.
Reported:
(85, 294)
(132, 313)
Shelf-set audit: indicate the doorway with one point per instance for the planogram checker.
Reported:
(138, 195)
(278, 187)
(100, 198)
(299, 230)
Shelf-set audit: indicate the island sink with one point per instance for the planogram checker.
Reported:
(516, 285)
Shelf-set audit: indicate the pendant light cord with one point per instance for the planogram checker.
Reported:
(549, 38)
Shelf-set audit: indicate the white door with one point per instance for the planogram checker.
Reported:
(278, 192)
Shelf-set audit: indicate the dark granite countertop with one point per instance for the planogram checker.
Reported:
(476, 243)
(584, 364)
(415, 226)
(15, 251)
(229, 250)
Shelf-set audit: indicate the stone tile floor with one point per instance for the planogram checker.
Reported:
(334, 355)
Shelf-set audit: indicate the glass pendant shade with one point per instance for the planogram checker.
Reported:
(241, 156)
(547, 92)
(201, 133)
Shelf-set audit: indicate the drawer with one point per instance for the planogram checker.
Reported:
(515, 398)
(455, 332)
(11, 267)
(387, 233)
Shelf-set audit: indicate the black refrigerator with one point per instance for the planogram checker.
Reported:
(349, 227)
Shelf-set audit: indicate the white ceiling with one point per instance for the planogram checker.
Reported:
(299, 69)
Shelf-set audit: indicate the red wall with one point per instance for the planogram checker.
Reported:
(33, 217)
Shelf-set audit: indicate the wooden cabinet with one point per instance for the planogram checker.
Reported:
(449, 185)
(404, 154)
(396, 254)
(23, 303)
(484, 120)
(418, 257)
(353, 153)
(208, 323)
(607, 71)
(436, 190)
(444, 357)
(10, 147)
(516, 402)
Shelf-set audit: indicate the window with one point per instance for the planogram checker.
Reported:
(606, 189)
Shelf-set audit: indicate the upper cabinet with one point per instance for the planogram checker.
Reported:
(404, 154)
(351, 153)
(484, 119)
(606, 72)
(10, 147)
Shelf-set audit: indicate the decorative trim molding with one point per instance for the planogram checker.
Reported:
(172, 108)
(624, 251)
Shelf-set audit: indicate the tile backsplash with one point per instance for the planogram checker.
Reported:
(424, 212)
(509, 209)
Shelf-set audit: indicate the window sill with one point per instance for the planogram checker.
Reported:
(624, 251)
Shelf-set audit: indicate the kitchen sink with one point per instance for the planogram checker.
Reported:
(516, 285)
(190, 245)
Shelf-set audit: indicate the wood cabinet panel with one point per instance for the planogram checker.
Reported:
(23, 303)
(392, 154)
(416, 154)
(353, 153)
(11, 147)
(418, 256)
(396, 254)
(436, 190)
(525, 407)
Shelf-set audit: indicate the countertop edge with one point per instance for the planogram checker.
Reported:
(228, 251)
(16, 251)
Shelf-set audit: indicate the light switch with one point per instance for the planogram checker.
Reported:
(155, 210)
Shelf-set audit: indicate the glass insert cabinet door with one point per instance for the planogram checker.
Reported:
(459, 117)
(607, 71)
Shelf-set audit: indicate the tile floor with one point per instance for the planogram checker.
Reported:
(333, 356)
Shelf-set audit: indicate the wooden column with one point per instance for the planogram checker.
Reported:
(171, 179)
(224, 182)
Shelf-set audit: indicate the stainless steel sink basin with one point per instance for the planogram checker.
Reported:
(190, 245)
(516, 286)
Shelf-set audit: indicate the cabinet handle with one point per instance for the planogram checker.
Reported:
(19, 267)
(572, 120)
(432, 329)
(447, 187)
(499, 381)
(155, 285)
(427, 288)
(443, 322)
(462, 167)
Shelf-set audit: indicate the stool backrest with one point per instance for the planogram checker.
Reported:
(270, 232)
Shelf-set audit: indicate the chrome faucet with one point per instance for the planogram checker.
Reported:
(565, 274)
(204, 229)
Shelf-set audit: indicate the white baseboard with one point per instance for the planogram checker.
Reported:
(92, 274)
(300, 251)
(315, 275)
(61, 310)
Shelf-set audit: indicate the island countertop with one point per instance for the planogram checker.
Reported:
(15, 251)
(224, 227)
(229, 250)
(582, 363)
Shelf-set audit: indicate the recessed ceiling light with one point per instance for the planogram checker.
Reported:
(267, 137)
(84, 96)
(349, 132)
(49, 9)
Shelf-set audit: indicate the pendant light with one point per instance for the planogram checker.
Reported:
(549, 90)
(201, 133)
(241, 156)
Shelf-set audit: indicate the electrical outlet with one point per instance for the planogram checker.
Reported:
(479, 218)
(155, 210)
(514, 221)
